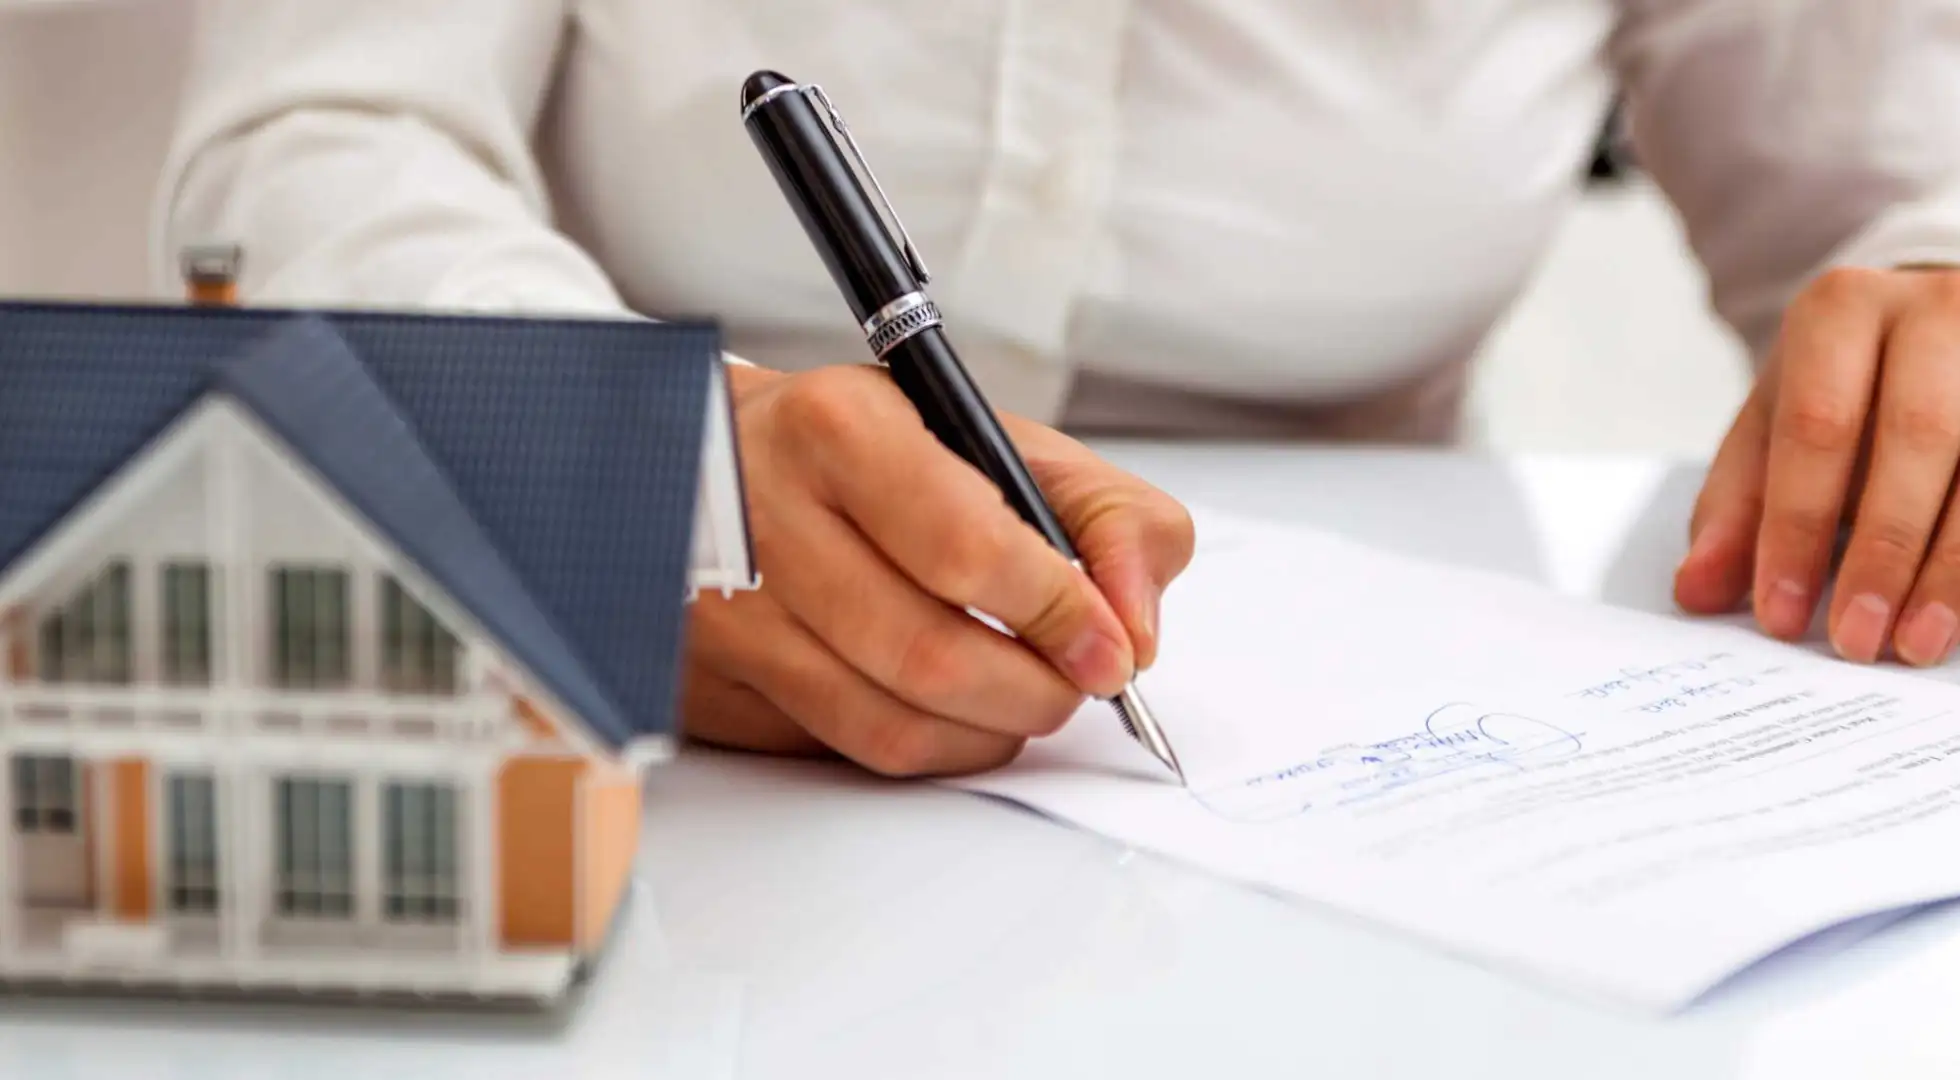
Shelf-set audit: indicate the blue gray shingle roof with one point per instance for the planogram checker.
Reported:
(542, 472)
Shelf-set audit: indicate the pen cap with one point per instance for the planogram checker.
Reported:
(796, 141)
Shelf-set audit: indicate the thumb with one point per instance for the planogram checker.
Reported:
(1720, 564)
(1133, 538)
(1134, 541)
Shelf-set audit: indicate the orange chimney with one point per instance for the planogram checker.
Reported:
(211, 274)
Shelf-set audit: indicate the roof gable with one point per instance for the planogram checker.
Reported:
(307, 385)
(569, 451)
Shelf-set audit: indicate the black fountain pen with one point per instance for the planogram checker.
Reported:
(883, 281)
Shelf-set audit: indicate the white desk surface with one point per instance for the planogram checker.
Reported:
(800, 920)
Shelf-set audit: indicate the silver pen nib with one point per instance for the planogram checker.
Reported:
(1141, 724)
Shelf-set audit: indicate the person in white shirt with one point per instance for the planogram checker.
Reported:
(1267, 218)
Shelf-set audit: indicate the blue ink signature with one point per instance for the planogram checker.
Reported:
(1631, 678)
(1454, 739)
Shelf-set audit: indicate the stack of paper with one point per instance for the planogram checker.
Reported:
(1626, 804)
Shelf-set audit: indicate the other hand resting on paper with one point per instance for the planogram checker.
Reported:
(1855, 419)
(873, 541)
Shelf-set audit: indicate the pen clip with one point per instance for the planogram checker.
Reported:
(905, 239)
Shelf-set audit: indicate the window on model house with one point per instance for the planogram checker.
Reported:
(186, 653)
(192, 883)
(311, 632)
(419, 874)
(44, 794)
(314, 834)
(86, 639)
(418, 654)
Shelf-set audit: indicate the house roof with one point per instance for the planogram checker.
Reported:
(542, 472)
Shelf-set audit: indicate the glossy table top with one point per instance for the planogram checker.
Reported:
(803, 920)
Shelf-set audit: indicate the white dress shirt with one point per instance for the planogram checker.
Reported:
(1191, 213)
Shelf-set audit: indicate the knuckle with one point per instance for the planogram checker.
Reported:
(1945, 290)
(1842, 285)
(1061, 608)
(932, 667)
(899, 749)
(819, 409)
(1924, 426)
(1889, 542)
(1801, 525)
(1820, 425)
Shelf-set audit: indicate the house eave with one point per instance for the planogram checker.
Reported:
(643, 752)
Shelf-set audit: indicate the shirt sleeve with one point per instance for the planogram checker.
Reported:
(1793, 136)
(375, 152)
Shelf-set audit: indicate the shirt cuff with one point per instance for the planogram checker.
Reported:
(1925, 232)
(542, 276)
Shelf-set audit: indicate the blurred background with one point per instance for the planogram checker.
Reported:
(1613, 350)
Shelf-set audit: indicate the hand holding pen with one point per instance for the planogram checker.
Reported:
(874, 541)
(882, 278)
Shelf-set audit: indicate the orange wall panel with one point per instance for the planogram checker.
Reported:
(20, 646)
(536, 802)
(611, 843)
(129, 780)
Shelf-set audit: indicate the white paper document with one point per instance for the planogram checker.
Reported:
(1622, 804)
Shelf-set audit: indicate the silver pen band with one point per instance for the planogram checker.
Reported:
(898, 320)
(772, 94)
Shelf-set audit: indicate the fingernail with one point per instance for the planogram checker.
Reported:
(1927, 635)
(1861, 629)
(1094, 662)
(1786, 609)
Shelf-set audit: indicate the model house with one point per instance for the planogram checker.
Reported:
(334, 647)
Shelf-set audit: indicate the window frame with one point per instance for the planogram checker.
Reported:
(323, 891)
(421, 875)
(40, 806)
(88, 639)
(191, 884)
(419, 653)
(186, 652)
(327, 646)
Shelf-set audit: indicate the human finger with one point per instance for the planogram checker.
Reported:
(786, 663)
(1134, 539)
(1714, 576)
(946, 527)
(932, 656)
(1915, 445)
(717, 710)
(1828, 359)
